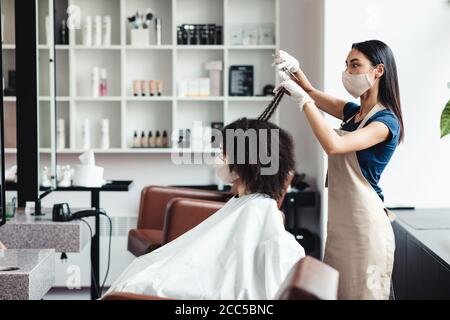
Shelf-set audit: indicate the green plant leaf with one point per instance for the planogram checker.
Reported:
(445, 120)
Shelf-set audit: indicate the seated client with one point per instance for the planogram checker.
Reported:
(243, 250)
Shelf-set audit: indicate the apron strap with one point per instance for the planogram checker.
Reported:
(375, 109)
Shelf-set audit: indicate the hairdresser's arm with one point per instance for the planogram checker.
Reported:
(332, 143)
(331, 105)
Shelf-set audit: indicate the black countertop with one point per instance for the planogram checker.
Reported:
(430, 227)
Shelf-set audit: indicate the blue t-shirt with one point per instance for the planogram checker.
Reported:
(373, 160)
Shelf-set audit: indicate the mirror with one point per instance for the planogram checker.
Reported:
(45, 100)
(47, 94)
(2, 121)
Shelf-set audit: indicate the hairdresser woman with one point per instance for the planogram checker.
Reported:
(360, 242)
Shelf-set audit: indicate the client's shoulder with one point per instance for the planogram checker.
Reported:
(261, 202)
(259, 198)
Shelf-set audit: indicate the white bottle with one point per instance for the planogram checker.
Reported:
(107, 30)
(60, 134)
(97, 31)
(87, 31)
(95, 81)
(104, 131)
(158, 31)
(86, 135)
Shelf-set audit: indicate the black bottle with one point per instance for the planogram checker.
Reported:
(180, 35)
(151, 140)
(64, 35)
(165, 139)
(158, 139)
(136, 141)
(219, 35)
(144, 140)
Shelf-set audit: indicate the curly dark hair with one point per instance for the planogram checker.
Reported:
(249, 172)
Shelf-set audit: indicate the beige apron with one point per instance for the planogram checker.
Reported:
(360, 242)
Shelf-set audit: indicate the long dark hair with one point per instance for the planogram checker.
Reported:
(389, 94)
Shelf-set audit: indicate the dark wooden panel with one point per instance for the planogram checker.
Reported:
(399, 273)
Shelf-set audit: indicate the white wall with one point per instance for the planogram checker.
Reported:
(301, 36)
(418, 32)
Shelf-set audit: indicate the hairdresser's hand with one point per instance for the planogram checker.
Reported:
(282, 60)
(296, 92)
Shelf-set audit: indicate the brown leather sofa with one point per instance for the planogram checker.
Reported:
(149, 233)
(163, 213)
(310, 279)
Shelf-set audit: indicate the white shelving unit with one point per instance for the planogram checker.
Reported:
(168, 62)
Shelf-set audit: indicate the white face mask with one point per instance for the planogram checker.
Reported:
(223, 171)
(356, 84)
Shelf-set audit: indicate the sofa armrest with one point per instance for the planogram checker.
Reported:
(310, 279)
(183, 214)
(154, 200)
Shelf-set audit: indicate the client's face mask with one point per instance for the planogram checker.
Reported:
(356, 84)
(223, 170)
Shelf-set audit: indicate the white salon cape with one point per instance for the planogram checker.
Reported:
(241, 252)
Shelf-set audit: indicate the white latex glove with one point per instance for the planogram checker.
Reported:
(283, 75)
(282, 60)
(297, 93)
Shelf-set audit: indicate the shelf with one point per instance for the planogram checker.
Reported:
(150, 47)
(254, 47)
(62, 99)
(200, 47)
(200, 98)
(147, 150)
(155, 98)
(168, 150)
(82, 47)
(96, 99)
(8, 46)
(250, 99)
(122, 151)
(9, 99)
(10, 150)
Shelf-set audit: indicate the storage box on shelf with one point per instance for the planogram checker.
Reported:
(168, 61)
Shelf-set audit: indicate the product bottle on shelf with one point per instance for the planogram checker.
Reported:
(136, 140)
(64, 35)
(107, 30)
(104, 129)
(158, 140)
(144, 140)
(151, 140)
(103, 83)
(158, 31)
(86, 134)
(165, 139)
(87, 31)
(95, 82)
(60, 134)
(97, 31)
